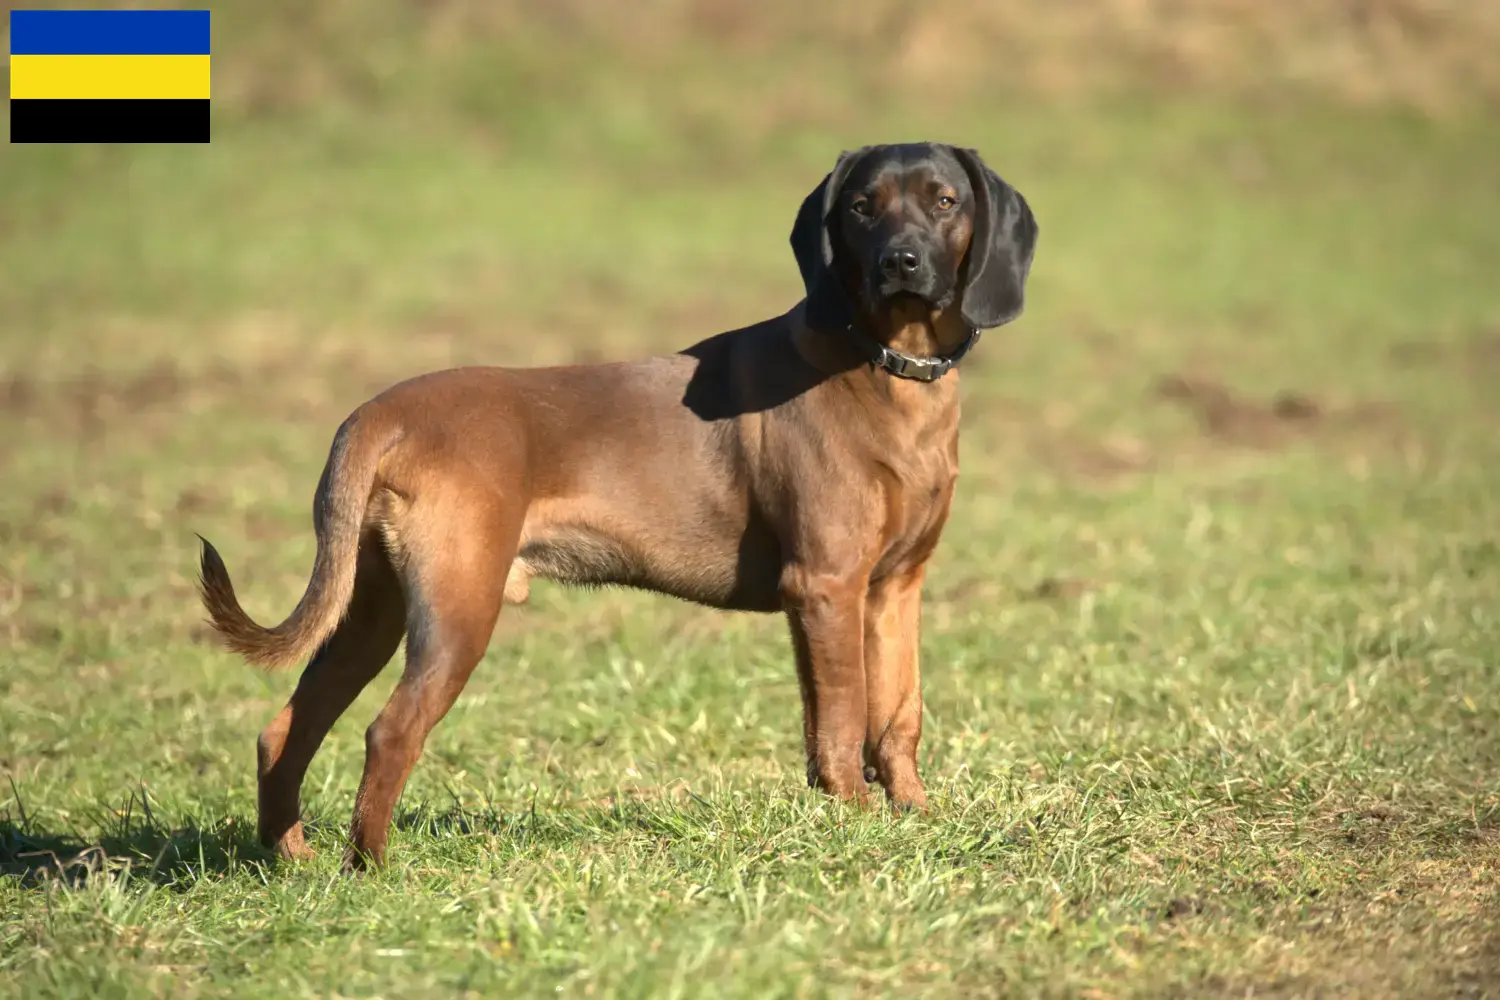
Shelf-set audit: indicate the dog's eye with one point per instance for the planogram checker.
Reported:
(861, 206)
(946, 203)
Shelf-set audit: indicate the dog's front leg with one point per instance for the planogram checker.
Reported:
(826, 613)
(893, 678)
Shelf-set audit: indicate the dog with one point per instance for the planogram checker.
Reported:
(805, 464)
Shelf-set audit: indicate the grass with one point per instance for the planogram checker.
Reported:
(1209, 646)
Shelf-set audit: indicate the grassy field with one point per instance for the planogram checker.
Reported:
(1210, 643)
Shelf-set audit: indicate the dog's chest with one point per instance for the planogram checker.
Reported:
(920, 484)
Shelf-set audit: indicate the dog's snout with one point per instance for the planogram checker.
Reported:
(899, 262)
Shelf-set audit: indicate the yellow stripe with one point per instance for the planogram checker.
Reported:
(121, 77)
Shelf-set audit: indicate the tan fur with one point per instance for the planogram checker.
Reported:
(766, 469)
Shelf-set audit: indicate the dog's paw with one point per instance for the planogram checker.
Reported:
(292, 847)
(908, 799)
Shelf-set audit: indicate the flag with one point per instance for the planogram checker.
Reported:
(109, 75)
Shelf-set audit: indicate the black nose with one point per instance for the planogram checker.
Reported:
(897, 263)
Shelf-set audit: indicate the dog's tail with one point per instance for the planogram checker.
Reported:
(338, 518)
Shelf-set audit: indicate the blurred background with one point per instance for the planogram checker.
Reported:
(538, 180)
(1263, 225)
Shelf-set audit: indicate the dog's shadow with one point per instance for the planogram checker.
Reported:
(719, 390)
(137, 846)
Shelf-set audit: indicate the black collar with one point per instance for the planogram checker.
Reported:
(907, 366)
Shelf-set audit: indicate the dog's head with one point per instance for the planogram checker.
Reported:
(926, 222)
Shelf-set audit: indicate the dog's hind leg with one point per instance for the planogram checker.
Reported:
(337, 673)
(459, 541)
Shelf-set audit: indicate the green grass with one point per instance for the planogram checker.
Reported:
(1212, 695)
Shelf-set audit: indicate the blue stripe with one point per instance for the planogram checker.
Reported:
(109, 33)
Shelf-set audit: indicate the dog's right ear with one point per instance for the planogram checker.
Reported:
(812, 243)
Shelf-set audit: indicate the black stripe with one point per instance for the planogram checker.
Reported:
(108, 121)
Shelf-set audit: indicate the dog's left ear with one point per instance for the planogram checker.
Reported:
(1000, 250)
(812, 243)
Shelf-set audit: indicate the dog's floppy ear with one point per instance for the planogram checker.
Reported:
(812, 243)
(1000, 251)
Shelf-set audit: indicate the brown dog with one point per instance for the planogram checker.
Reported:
(805, 464)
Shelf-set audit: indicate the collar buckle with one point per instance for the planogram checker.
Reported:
(915, 368)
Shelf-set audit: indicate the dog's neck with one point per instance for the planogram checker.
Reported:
(913, 329)
(916, 328)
